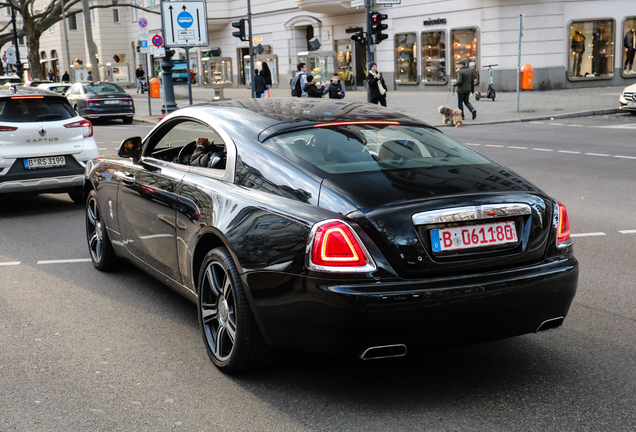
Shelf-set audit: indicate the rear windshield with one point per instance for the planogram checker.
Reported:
(103, 88)
(28, 109)
(368, 147)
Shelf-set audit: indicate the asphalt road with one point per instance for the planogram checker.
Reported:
(83, 350)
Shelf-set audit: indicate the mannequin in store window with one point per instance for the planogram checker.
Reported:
(578, 48)
(629, 43)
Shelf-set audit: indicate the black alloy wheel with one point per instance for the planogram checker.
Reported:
(99, 246)
(232, 338)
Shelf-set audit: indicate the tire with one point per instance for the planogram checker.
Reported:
(99, 245)
(493, 96)
(477, 97)
(230, 334)
(127, 120)
(77, 195)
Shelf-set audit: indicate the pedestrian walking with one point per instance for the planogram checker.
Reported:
(377, 86)
(140, 74)
(465, 87)
(50, 76)
(259, 84)
(335, 89)
(66, 77)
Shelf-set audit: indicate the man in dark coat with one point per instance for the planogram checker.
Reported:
(465, 86)
(66, 77)
(377, 86)
(259, 84)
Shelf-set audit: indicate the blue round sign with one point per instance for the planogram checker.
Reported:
(185, 19)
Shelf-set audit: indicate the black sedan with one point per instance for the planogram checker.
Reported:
(96, 100)
(331, 227)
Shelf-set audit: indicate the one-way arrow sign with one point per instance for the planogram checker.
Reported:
(184, 23)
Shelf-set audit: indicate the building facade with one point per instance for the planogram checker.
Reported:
(568, 43)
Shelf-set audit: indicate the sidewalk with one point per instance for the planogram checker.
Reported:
(534, 105)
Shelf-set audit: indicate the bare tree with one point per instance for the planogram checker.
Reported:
(37, 21)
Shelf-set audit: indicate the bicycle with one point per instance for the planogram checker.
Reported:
(491, 87)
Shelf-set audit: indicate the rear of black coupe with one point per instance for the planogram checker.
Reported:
(430, 244)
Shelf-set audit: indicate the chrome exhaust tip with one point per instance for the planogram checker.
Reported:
(550, 324)
(384, 351)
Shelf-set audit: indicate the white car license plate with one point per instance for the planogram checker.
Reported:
(45, 162)
(473, 236)
(112, 102)
(631, 104)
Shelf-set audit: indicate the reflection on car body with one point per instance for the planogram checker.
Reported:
(322, 232)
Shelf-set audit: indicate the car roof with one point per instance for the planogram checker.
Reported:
(9, 91)
(272, 116)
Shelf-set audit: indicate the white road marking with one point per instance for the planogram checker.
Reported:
(568, 151)
(518, 148)
(626, 126)
(536, 122)
(627, 232)
(10, 263)
(575, 125)
(556, 124)
(542, 149)
(493, 145)
(625, 157)
(472, 144)
(597, 154)
(64, 261)
(593, 234)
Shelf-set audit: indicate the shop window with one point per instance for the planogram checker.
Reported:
(464, 46)
(345, 63)
(406, 58)
(434, 57)
(591, 49)
(628, 43)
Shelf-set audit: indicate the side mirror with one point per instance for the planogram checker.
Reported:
(130, 148)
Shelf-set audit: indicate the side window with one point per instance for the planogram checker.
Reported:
(176, 142)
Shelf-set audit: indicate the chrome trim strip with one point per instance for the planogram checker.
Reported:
(462, 214)
(42, 184)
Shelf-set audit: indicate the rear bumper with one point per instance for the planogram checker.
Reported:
(59, 179)
(345, 319)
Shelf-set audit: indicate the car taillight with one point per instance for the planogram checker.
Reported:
(336, 247)
(85, 124)
(127, 99)
(7, 128)
(563, 230)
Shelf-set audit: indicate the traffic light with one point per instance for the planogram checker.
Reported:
(377, 27)
(359, 36)
(241, 34)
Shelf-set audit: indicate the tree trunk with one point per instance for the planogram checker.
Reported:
(33, 39)
(88, 30)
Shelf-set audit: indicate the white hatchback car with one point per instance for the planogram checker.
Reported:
(44, 144)
(627, 99)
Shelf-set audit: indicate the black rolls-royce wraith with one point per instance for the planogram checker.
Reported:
(331, 227)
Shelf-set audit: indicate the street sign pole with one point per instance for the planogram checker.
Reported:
(169, 104)
(187, 50)
(148, 79)
(370, 48)
(249, 23)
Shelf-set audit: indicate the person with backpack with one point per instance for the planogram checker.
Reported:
(311, 89)
(335, 89)
(297, 84)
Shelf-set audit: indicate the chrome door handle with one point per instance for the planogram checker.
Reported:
(125, 178)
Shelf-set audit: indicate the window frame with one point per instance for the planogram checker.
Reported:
(116, 15)
(74, 19)
(445, 57)
(568, 43)
(413, 60)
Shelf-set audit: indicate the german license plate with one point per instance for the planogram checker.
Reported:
(473, 236)
(631, 104)
(112, 102)
(45, 162)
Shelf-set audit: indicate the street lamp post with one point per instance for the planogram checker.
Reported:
(18, 65)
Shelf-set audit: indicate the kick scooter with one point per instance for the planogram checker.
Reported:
(491, 88)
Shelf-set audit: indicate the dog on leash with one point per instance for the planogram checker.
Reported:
(453, 116)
